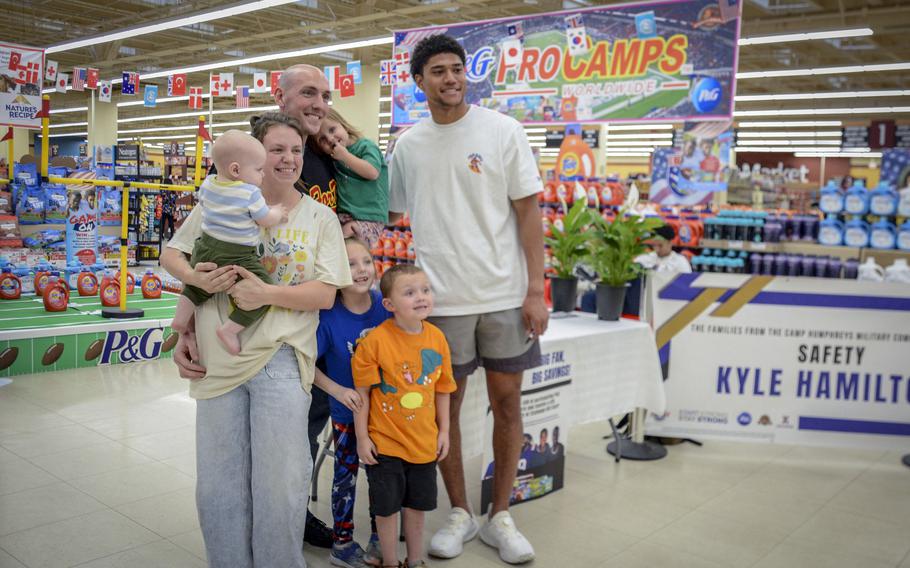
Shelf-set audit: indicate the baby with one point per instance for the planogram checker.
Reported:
(233, 209)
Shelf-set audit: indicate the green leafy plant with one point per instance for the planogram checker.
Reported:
(569, 244)
(613, 245)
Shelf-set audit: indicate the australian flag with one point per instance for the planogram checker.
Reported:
(130, 83)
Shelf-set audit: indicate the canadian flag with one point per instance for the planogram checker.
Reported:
(50, 71)
(275, 81)
(176, 85)
(62, 80)
(195, 97)
(260, 82)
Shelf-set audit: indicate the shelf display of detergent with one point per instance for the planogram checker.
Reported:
(393, 247)
(882, 234)
(730, 262)
(598, 193)
(863, 218)
(803, 265)
(883, 201)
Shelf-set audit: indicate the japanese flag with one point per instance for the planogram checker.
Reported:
(50, 71)
(577, 39)
(260, 82)
(104, 91)
(511, 52)
(62, 80)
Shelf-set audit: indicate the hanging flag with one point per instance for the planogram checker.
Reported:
(203, 131)
(195, 97)
(577, 39)
(62, 80)
(333, 75)
(573, 21)
(403, 59)
(387, 72)
(130, 83)
(8, 135)
(516, 30)
(50, 70)
(259, 82)
(353, 68)
(91, 78)
(226, 85)
(275, 81)
(214, 85)
(403, 77)
(104, 91)
(79, 76)
(150, 97)
(243, 97)
(346, 85)
(645, 25)
(176, 85)
(511, 52)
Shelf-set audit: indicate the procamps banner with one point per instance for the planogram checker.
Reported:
(655, 61)
(793, 360)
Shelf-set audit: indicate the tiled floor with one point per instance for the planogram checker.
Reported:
(97, 470)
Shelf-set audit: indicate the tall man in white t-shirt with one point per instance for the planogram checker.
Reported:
(469, 180)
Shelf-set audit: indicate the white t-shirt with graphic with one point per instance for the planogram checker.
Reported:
(458, 182)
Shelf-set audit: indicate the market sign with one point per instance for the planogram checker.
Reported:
(644, 62)
(21, 78)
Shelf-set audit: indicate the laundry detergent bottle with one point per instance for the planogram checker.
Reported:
(832, 200)
(856, 233)
(883, 235)
(576, 159)
(10, 285)
(56, 295)
(856, 201)
(87, 282)
(151, 285)
(831, 231)
(903, 236)
(883, 200)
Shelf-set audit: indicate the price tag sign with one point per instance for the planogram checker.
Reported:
(735, 245)
(759, 246)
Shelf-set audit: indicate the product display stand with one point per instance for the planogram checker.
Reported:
(635, 447)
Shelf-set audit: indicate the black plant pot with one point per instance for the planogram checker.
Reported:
(563, 292)
(609, 301)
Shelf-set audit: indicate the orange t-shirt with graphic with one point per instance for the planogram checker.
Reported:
(405, 372)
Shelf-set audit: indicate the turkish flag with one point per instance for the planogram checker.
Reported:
(91, 78)
(177, 85)
(346, 85)
(276, 77)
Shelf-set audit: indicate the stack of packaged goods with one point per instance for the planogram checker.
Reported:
(395, 246)
(878, 219)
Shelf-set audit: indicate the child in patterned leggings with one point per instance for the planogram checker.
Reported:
(357, 310)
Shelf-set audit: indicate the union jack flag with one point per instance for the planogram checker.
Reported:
(387, 72)
(243, 97)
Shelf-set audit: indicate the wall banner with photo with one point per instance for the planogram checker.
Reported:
(644, 62)
(698, 168)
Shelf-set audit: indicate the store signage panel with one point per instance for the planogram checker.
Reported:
(590, 136)
(902, 136)
(790, 360)
(855, 137)
(882, 134)
(21, 79)
(643, 62)
(127, 152)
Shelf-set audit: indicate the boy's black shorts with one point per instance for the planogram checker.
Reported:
(395, 483)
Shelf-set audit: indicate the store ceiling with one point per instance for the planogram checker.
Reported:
(310, 23)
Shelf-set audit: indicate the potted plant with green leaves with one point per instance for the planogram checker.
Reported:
(568, 246)
(612, 249)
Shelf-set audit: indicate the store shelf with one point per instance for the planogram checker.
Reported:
(882, 257)
(740, 245)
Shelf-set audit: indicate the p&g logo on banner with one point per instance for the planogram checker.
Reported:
(706, 95)
(132, 348)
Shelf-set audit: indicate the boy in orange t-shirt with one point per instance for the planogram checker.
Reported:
(404, 369)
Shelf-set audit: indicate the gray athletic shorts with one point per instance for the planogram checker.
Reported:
(498, 341)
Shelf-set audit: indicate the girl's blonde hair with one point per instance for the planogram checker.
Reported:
(353, 132)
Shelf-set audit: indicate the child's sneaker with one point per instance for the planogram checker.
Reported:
(348, 555)
(500, 533)
(448, 542)
(373, 554)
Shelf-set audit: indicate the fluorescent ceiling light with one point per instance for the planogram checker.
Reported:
(790, 124)
(629, 143)
(68, 125)
(628, 155)
(177, 137)
(537, 144)
(385, 99)
(188, 114)
(789, 134)
(534, 130)
(72, 109)
(823, 71)
(618, 127)
(822, 111)
(191, 127)
(384, 40)
(621, 149)
(838, 154)
(65, 134)
(168, 25)
(384, 114)
(661, 135)
(782, 38)
(385, 125)
(815, 149)
(828, 95)
(775, 142)
(536, 138)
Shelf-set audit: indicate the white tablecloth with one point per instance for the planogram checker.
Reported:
(614, 369)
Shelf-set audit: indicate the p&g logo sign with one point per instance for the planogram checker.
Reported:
(132, 348)
(706, 95)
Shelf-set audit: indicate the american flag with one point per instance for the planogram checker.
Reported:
(79, 77)
(516, 30)
(387, 72)
(243, 97)
(573, 21)
(411, 39)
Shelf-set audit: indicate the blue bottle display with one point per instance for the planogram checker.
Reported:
(883, 235)
(883, 200)
(831, 232)
(903, 236)
(856, 201)
(856, 233)
(832, 200)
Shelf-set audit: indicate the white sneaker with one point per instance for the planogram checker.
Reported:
(448, 542)
(500, 533)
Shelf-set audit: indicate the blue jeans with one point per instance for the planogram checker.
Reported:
(253, 463)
